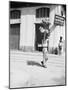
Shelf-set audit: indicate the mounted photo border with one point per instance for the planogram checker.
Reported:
(65, 48)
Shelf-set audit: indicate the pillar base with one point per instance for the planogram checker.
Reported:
(27, 48)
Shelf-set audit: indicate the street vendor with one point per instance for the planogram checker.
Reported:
(45, 46)
(45, 50)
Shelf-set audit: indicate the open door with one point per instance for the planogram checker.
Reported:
(14, 36)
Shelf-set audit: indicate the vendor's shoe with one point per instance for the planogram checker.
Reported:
(43, 64)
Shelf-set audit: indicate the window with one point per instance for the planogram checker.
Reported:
(42, 12)
(15, 14)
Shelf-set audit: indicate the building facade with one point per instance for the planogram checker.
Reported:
(25, 23)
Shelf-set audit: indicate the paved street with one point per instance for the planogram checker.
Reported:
(26, 70)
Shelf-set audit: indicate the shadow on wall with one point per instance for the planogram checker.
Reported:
(52, 28)
(52, 50)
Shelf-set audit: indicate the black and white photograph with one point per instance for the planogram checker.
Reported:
(37, 44)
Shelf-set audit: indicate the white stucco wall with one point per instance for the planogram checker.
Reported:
(27, 30)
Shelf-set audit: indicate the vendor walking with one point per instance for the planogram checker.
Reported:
(45, 50)
(44, 46)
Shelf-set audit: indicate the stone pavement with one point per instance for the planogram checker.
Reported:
(26, 70)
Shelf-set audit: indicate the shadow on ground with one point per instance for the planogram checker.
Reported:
(34, 63)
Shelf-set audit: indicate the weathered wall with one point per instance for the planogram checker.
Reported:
(55, 34)
(57, 31)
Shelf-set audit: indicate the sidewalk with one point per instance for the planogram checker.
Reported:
(26, 70)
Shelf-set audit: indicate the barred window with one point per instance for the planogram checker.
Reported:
(15, 14)
(42, 12)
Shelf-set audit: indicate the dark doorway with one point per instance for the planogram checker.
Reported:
(14, 36)
(38, 37)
